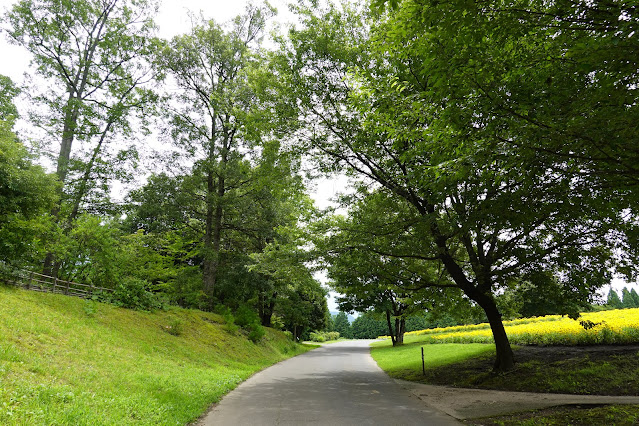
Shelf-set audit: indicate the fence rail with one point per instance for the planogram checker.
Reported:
(45, 283)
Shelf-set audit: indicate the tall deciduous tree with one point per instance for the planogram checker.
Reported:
(90, 53)
(211, 67)
(364, 260)
(375, 99)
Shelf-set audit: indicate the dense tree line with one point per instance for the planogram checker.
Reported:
(628, 299)
(206, 229)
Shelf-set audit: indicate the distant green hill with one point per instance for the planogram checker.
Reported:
(67, 361)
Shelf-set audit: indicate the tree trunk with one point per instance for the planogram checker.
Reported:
(390, 328)
(266, 309)
(213, 226)
(504, 357)
(296, 336)
(401, 329)
(50, 265)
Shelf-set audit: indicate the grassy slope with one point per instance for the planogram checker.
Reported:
(64, 360)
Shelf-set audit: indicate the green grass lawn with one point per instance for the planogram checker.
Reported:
(65, 360)
(606, 371)
(405, 362)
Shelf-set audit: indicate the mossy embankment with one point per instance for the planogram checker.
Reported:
(64, 360)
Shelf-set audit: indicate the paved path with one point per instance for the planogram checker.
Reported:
(337, 384)
(476, 403)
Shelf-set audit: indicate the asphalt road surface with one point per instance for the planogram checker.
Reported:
(338, 384)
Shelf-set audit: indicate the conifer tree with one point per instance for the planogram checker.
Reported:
(613, 299)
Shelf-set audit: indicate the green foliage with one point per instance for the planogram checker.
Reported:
(229, 319)
(628, 300)
(342, 325)
(613, 299)
(126, 368)
(26, 193)
(8, 110)
(367, 327)
(256, 333)
(540, 293)
(174, 326)
(246, 317)
(132, 293)
(323, 336)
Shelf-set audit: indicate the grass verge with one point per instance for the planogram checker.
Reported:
(65, 360)
(602, 370)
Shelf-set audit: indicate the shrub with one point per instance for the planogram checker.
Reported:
(131, 293)
(257, 333)
(317, 336)
(174, 327)
(323, 336)
(245, 317)
(229, 319)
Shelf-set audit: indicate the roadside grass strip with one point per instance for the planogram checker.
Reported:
(620, 326)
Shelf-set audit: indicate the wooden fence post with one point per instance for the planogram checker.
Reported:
(423, 366)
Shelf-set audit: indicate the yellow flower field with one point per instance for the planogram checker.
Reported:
(620, 326)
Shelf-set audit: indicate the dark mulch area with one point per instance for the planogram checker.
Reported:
(587, 370)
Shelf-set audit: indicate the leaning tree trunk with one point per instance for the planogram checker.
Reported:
(504, 359)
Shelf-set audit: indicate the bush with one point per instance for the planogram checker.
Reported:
(174, 327)
(317, 336)
(131, 293)
(324, 336)
(229, 319)
(257, 333)
(245, 317)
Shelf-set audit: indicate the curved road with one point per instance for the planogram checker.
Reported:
(337, 384)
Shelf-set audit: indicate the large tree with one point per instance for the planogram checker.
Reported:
(374, 99)
(214, 118)
(371, 261)
(90, 54)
